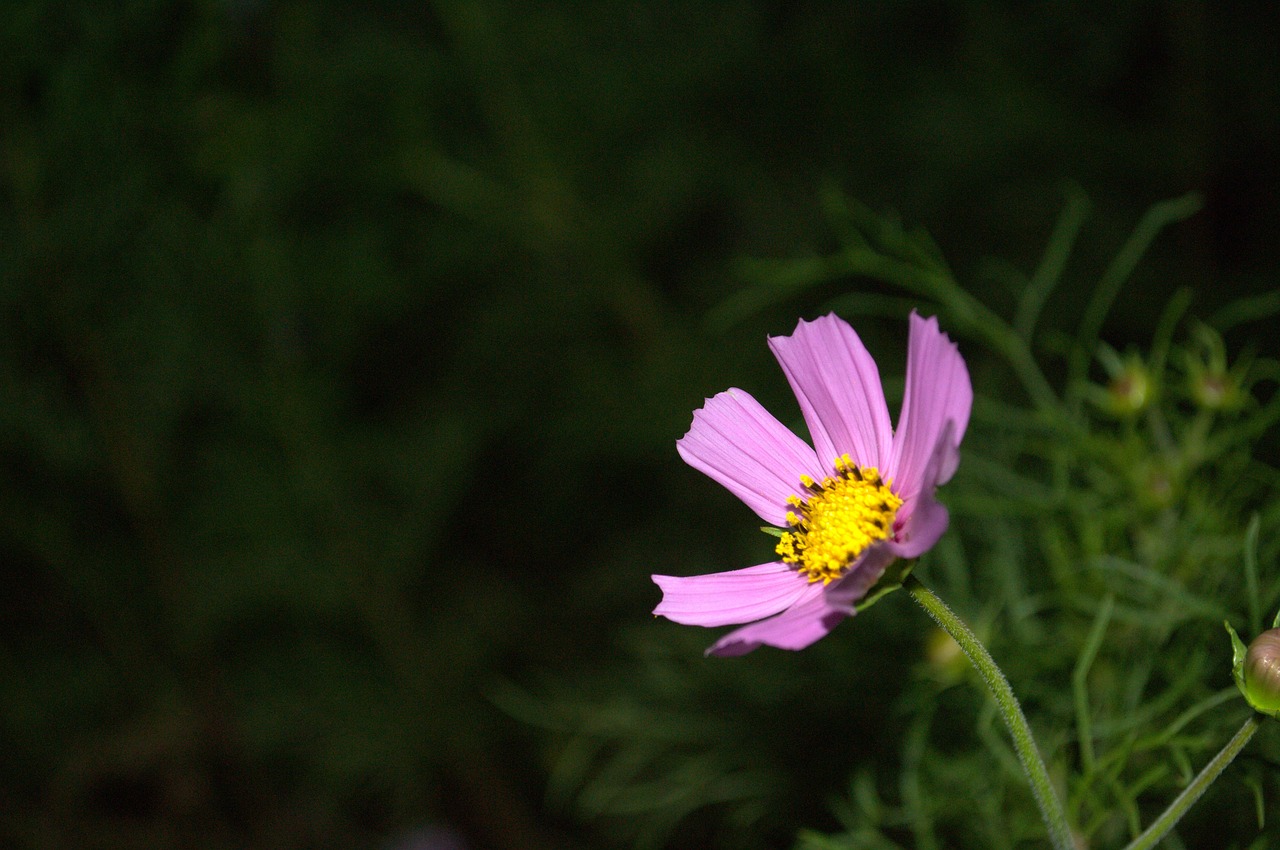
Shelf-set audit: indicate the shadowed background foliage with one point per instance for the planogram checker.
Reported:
(345, 346)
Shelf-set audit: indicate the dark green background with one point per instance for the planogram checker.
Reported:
(345, 347)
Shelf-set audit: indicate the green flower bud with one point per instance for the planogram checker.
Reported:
(1211, 382)
(1130, 391)
(1214, 391)
(1131, 385)
(1262, 672)
(1256, 669)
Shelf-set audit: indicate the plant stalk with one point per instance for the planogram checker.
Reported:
(1179, 807)
(1055, 819)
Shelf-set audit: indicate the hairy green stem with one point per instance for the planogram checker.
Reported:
(1198, 786)
(1055, 819)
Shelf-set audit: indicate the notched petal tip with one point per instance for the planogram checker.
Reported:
(837, 384)
(938, 392)
(729, 598)
(741, 446)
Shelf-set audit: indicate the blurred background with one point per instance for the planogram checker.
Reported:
(345, 347)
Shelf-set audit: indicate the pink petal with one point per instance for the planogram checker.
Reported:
(838, 386)
(937, 392)
(811, 617)
(739, 444)
(924, 519)
(738, 596)
(923, 530)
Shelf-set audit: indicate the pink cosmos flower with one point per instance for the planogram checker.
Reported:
(861, 497)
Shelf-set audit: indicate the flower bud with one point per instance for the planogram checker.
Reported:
(1216, 391)
(1262, 671)
(1131, 385)
(1211, 382)
(1130, 391)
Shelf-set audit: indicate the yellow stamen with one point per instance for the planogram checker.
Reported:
(837, 519)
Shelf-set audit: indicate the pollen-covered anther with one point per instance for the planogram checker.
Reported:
(839, 518)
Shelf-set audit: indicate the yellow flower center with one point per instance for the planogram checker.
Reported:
(837, 519)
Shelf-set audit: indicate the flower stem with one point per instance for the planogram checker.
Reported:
(1198, 786)
(1055, 819)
